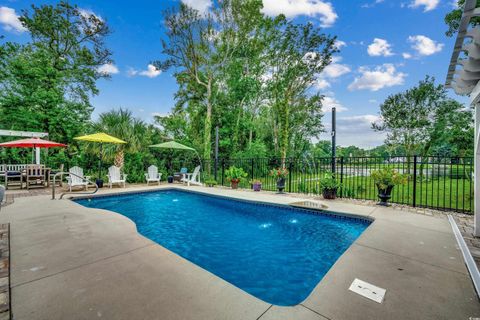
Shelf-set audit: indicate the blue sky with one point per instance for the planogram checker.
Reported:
(386, 47)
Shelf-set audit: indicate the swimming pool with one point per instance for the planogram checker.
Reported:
(276, 253)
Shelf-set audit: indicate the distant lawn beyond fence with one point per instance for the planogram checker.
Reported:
(433, 182)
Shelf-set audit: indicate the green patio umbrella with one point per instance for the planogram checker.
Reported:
(172, 145)
(175, 145)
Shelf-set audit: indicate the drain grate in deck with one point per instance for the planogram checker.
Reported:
(368, 290)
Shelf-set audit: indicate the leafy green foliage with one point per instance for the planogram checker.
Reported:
(279, 172)
(452, 19)
(328, 182)
(249, 74)
(46, 83)
(211, 182)
(235, 174)
(386, 177)
(417, 119)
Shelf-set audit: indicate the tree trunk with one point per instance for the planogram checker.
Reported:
(207, 148)
(275, 137)
(284, 135)
(119, 159)
(237, 131)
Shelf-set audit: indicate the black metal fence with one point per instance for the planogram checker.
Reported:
(442, 183)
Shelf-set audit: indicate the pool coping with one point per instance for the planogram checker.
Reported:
(311, 211)
(334, 297)
(324, 210)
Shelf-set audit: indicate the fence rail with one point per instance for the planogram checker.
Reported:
(442, 183)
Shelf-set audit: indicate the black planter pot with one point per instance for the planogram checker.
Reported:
(170, 179)
(99, 183)
(384, 195)
(329, 193)
(280, 185)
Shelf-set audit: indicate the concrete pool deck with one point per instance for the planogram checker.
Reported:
(72, 262)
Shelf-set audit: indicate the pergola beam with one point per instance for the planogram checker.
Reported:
(469, 11)
(466, 81)
(30, 134)
(14, 133)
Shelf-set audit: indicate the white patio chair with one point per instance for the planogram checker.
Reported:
(115, 177)
(152, 175)
(193, 178)
(76, 178)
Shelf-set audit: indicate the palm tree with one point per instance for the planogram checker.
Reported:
(122, 124)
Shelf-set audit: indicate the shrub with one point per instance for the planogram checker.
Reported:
(211, 182)
(279, 173)
(328, 182)
(235, 174)
(387, 177)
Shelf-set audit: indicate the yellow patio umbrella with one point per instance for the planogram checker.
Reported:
(101, 138)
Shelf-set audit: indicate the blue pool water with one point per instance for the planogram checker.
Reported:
(275, 253)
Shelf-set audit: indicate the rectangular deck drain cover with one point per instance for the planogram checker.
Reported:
(367, 290)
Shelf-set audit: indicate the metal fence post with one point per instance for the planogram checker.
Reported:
(223, 171)
(290, 175)
(251, 169)
(341, 177)
(414, 201)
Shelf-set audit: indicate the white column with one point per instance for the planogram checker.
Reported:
(476, 180)
(37, 155)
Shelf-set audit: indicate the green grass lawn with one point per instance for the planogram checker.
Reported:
(441, 192)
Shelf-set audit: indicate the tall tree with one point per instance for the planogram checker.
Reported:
(417, 119)
(262, 72)
(46, 83)
(191, 52)
(75, 41)
(298, 54)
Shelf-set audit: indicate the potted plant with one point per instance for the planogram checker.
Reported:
(211, 183)
(256, 185)
(281, 175)
(235, 174)
(385, 179)
(329, 186)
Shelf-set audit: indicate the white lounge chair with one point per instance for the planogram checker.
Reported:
(152, 175)
(193, 178)
(76, 178)
(114, 176)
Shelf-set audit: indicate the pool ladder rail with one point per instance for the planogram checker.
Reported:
(72, 174)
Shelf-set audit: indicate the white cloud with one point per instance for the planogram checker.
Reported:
(9, 20)
(160, 114)
(322, 84)
(355, 131)
(335, 70)
(428, 4)
(377, 78)
(339, 44)
(425, 46)
(380, 47)
(406, 55)
(324, 11)
(88, 13)
(372, 4)
(332, 71)
(108, 68)
(151, 72)
(201, 5)
(329, 101)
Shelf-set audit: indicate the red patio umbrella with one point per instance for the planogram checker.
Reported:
(32, 143)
